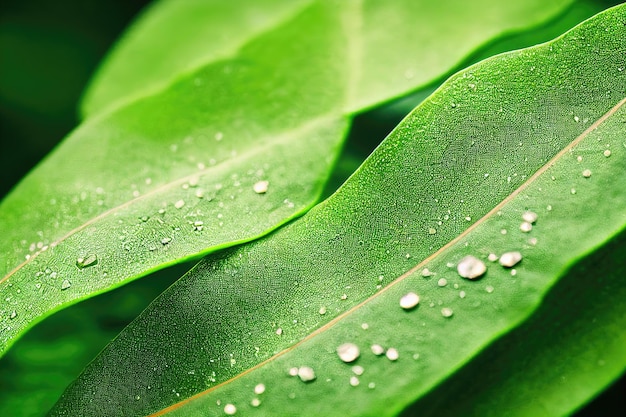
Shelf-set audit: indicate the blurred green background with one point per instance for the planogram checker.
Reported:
(48, 50)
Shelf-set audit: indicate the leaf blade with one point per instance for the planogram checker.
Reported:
(284, 280)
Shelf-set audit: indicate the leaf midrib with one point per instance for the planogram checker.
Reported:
(411, 271)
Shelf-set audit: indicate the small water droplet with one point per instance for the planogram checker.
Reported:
(529, 216)
(447, 312)
(462, 294)
(526, 227)
(427, 273)
(259, 389)
(365, 326)
(179, 204)
(65, 284)
(576, 119)
(348, 352)
(510, 259)
(84, 262)
(261, 187)
(255, 402)
(230, 409)
(513, 272)
(322, 310)
(432, 231)
(344, 296)
(166, 240)
(471, 267)
(572, 191)
(219, 136)
(371, 385)
(377, 350)
(354, 381)
(587, 173)
(13, 314)
(279, 331)
(492, 257)
(306, 374)
(489, 289)
(409, 301)
(358, 370)
(607, 153)
(442, 282)
(392, 354)
(293, 371)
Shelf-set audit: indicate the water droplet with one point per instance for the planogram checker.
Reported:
(462, 294)
(392, 354)
(179, 204)
(471, 267)
(572, 191)
(579, 158)
(358, 370)
(503, 231)
(427, 273)
(529, 216)
(255, 402)
(409, 301)
(279, 331)
(549, 207)
(607, 153)
(84, 262)
(492, 257)
(587, 173)
(532, 241)
(365, 326)
(489, 289)
(259, 389)
(354, 381)
(219, 136)
(230, 409)
(510, 259)
(166, 240)
(348, 352)
(322, 310)
(377, 350)
(198, 225)
(306, 374)
(13, 314)
(526, 227)
(261, 187)
(442, 282)
(65, 284)
(513, 272)
(432, 231)
(344, 296)
(447, 312)
(576, 119)
(293, 371)
(371, 385)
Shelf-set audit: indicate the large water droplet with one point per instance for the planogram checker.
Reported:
(392, 354)
(510, 259)
(306, 374)
(230, 409)
(89, 260)
(261, 187)
(471, 267)
(529, 216)
(348, 352)
(378, 350)
(409, 301)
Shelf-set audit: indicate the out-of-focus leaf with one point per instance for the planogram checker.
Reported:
(427, 39)
(540, 129)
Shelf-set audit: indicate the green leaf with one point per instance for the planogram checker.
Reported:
(514, 133)
(428, 38)
(170, 176)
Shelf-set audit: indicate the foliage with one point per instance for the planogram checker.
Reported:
(193, 159)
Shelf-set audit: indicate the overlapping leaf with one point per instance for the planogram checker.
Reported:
(171, 176)
(539, 129)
